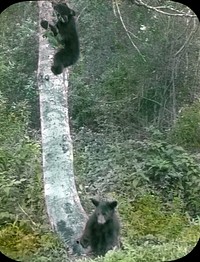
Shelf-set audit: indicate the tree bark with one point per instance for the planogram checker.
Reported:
(64, 209)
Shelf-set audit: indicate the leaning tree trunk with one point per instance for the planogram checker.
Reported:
(64, 209)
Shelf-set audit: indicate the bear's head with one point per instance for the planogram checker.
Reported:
(104, 210)
(63, 12)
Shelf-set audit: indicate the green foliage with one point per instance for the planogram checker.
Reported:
(150, 253)
(147, 218)
(171, 169)
(112, 84)
(22, 241)
(20, 167)
(19, 54)
(152, 165)
(186, 130)
(16, 241)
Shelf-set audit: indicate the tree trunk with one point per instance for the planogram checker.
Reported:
(64, 209)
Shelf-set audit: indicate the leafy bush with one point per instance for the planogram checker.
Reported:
(148, 219)
(186, 130)
(20, 166)
(104, 164)
(16, 241)
(21, 241)
(18, 62)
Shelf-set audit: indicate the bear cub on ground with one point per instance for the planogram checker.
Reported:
(102, 229)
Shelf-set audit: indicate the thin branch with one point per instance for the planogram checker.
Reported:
(188, 39)
(114, 9)
(81, 13)
(172, 9)
(173, 77)
(127, 32)
(156, 102)
(27, 215)
(157, 9)
(131, 33)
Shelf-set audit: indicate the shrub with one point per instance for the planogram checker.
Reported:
(104, 164)
(186, 130)
(20, 166)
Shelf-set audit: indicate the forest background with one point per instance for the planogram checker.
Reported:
(135, 123)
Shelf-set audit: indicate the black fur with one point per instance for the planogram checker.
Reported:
(101, 232)
(65, 27)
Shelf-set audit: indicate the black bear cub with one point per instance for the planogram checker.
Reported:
(65, 31)
(102, 229)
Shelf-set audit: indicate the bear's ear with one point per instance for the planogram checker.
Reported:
(95, 202)
(113, 204)
(72, 12)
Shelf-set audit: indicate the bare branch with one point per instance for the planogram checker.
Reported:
(195, 28)
(114, 9)
(156, 102)
(157, 9)
(127, 32)
(27, 215)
